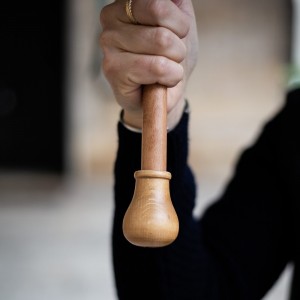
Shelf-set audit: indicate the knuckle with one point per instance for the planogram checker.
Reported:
(185, 28)
(103, 16)
(105, 38)
(176, 76)
(158, 66)
(108, 66)
(163, 38)
(156, 9)
(180, 73)
(182, 53)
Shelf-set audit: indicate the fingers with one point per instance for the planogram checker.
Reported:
(142, 54)
(163, 13)
(153, 41)
(132, 69)
(160, 13)
(153, 51)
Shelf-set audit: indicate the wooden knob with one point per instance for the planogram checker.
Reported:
(151, 220)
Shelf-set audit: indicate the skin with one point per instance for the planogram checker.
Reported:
(162, 49)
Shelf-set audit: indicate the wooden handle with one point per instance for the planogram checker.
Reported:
(154, 138)
(151, 220)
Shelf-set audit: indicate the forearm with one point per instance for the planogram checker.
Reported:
(252, 227)
(183, 269)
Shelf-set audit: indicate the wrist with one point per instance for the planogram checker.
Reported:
(132, 119)
(176, 113)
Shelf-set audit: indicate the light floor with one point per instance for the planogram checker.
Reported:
(55, 238)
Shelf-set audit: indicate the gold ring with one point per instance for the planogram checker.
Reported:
(129, 12)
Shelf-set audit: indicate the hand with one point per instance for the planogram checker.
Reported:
(162, 49)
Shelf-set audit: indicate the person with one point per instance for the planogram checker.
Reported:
(244, 240)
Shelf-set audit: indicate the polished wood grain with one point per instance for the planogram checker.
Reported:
(151, 220)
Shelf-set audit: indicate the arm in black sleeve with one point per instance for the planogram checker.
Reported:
(250, 228)
(180, 270)
(240, 246)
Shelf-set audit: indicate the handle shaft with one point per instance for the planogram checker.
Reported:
(154, 135)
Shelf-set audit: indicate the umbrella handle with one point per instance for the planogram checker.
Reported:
(151, 220)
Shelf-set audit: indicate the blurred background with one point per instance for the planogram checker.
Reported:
(58, 133)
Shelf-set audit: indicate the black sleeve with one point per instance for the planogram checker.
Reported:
(236, 251)
(251, 228)
(178, 270)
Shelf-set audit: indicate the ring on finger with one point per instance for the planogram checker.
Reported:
(129, 13)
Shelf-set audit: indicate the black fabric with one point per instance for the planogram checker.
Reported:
(243, 241)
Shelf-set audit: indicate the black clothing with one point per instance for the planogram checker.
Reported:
(243, 241)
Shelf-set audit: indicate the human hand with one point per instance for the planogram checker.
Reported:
(162, 48)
